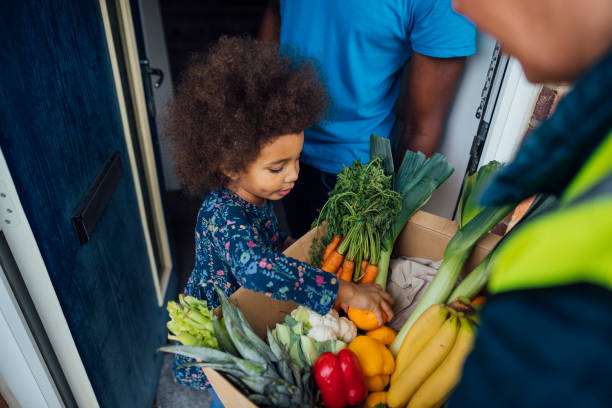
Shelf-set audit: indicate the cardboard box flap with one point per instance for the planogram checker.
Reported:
(300, 248)
(426, 236)
(261, 311)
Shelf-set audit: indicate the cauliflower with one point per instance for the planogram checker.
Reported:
(332, 322)
(348, 330)
(321, 333)
(328, 327)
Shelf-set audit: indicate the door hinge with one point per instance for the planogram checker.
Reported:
(8, 212)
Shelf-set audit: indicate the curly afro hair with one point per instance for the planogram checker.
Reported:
(231, 102)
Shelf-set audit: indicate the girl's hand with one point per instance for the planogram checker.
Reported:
(367, 296)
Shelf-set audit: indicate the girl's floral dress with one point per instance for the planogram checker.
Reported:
(239, 244)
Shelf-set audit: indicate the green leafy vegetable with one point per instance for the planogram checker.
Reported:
(191, 322)
(265, 373)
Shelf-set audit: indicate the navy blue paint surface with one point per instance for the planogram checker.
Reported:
(59, 122)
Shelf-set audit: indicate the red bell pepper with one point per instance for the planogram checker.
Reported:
(340, 379)
(356, 389)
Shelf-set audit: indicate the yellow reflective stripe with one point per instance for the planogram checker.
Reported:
(568, 246)
(596, 167)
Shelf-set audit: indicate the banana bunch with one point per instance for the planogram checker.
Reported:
(430, 360)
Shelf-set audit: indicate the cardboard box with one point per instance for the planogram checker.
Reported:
(425, 236)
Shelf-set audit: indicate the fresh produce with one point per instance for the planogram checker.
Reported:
(375, 399)
(356, 390)
(265, 373)
(328, 327)
(384, 334)
(331, 247)
(478, 278)
(474, 222)
(430, 360)
(376, 361)
(339, 379)
(329, 379)
(416, 180)
(479, 300)
(358, 214)
(364, 319)
(436, 389)
(191, 322)
(420, 333)
(377, 382)
(424, 364)
(304, 348)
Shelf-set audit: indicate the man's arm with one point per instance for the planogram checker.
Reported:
(269, 29)
(432, 85)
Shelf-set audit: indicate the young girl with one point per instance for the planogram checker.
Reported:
(237, 124)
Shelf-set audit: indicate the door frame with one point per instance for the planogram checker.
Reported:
(516, 102)
(25, 380)
(25, 251)
(24, 248)
(133, 105)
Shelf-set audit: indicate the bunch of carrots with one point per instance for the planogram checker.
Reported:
(336, 262)
(359, 212)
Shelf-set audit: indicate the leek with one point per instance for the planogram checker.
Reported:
(416, 180)
(478, 278)
(475, 281)
(474, 221)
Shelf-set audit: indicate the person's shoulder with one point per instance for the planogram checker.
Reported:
(220, 204)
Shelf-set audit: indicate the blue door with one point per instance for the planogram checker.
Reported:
(60, 126)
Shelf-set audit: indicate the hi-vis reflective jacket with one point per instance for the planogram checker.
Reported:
(545, 338)
(569, 245)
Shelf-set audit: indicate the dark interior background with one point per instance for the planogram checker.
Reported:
(191, 26)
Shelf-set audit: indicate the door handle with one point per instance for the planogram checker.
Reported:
(153, 71)
(149, 85)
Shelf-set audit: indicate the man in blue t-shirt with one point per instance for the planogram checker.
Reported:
(362, 47)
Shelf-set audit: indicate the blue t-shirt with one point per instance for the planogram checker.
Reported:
(362, 47)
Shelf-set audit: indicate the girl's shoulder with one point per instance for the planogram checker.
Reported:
(223, 204)
(216, 203)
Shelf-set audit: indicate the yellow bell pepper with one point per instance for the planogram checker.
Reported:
(375, 359)
(375, 398)
(377, 382)
(384, 333)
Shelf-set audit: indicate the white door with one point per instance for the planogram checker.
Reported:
(493, 101)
